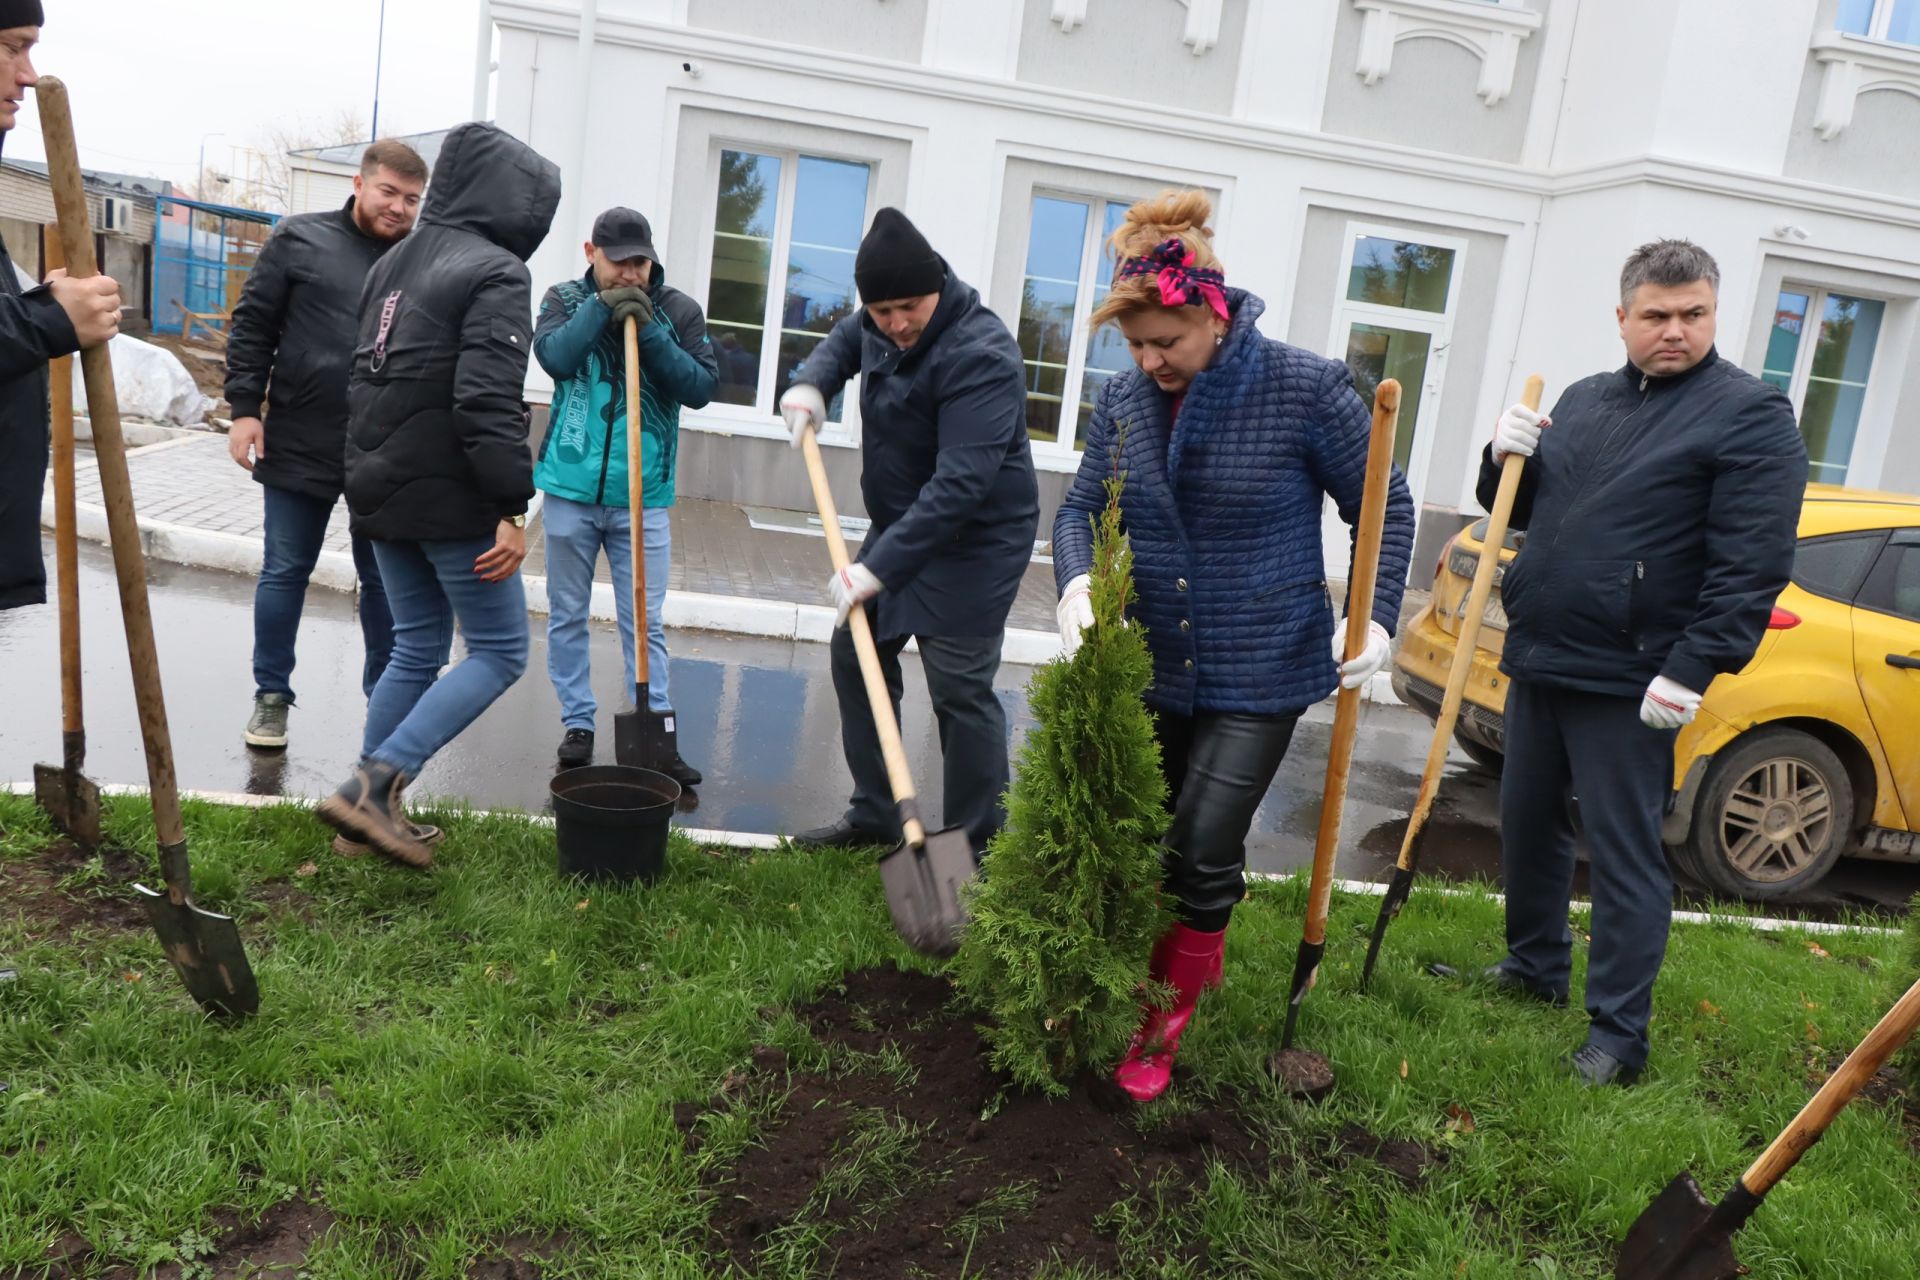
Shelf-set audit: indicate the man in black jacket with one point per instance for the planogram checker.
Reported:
(947, 476)
(54, 319)
(1660, 513)
(293, 328)
(438, 469)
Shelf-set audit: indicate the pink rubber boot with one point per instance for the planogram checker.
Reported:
(1190, 962)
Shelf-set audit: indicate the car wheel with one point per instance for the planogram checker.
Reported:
(1484, 756)
(1774, 815)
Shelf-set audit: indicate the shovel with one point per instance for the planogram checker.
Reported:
(67, 795)
(1682, 1237)
(1465, 645)
(642, 737)
(1302, 1072)
(923, 875)
(203, 946)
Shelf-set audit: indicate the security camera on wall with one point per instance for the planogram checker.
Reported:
(693, 69)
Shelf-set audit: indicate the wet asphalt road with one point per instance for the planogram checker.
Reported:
(758, 716)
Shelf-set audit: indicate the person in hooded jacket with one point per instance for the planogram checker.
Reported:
(947, 476)
(57, 318)
(294, 328)
(580, 341)
(1229, 443)
(439, 472)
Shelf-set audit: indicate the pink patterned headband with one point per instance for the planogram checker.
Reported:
(1181, 283)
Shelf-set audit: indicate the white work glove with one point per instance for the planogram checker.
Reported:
(1668, 704)
(853, 585)
(1518, 431)
(803, 406)
(1074, 612)
(1372, 658)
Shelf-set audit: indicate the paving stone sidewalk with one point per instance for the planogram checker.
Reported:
(193, 482)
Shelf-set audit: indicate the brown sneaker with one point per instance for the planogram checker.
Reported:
(366, 809)
(425, 833)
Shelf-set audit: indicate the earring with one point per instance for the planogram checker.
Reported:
(1219, 339)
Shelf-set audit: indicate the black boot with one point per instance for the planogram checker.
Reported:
(841, 835)
(366, 809)
(576, 748)
(682, 772)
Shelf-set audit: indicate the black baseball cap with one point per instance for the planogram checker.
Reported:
(623, 234)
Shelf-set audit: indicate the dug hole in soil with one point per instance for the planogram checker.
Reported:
(908, 1179)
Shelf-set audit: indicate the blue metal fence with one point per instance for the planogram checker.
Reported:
(201, 255)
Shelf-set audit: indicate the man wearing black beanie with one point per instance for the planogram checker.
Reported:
(947, 476)
(54, 319)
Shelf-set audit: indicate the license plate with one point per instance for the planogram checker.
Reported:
(1495, 618)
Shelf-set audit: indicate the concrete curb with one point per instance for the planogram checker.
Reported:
(765, 840)
(684, 610)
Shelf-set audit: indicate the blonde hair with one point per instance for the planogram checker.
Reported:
(1171, 215)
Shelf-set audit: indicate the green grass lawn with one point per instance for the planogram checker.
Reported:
(485, 1054)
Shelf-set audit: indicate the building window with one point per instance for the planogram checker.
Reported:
(1068, 273)
(1895, 20)
(1827, 377)
(1395, 320)
(792, 218)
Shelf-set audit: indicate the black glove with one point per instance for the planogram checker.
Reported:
(629, 300)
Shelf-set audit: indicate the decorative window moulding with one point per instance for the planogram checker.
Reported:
(1201, 34)
(1851, 66)
(1491, 32)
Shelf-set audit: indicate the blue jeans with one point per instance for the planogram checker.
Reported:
(430, 585)
(576, 533)
(296, 526)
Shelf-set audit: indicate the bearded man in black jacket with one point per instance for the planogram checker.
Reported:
(54, 319)
(1660, 512)
(291, 339)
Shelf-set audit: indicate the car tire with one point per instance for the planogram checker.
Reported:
(1484, 756)
(1775, 812)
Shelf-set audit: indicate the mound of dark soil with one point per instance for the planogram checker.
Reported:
(893, 1165)
(61, 893)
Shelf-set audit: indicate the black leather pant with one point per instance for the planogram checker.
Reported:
(1218, 766)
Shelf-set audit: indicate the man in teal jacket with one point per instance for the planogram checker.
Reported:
(583, 459)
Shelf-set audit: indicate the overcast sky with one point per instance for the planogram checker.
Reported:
(148, 79)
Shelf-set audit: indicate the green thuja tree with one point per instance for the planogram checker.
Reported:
(1066, 914)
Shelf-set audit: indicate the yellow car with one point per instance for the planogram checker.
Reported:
(1810, 752)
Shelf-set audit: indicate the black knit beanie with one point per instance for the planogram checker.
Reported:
(895, 261)
(21, 13)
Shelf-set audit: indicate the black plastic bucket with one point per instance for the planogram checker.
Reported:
(611, 821)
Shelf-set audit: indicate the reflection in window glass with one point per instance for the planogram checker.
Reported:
(743, 228)
(1855, 17)
(1056, 243)
(1903, 25)
(1396, 273)
(1107, 349)
(1783, 341)
(1376, 353)
(829, 215)
(1834, 566)
(1837, 384)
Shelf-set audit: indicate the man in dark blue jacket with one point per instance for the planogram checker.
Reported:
(947, 476)
(53, 319)
(1660, 513)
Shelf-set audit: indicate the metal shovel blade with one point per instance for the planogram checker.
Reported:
(923, 890)
(1677, 1238)
(71, 799)
(204, 948)
(643, 737)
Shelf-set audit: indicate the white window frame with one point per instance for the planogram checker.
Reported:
(843, 430)
(1879, 24)
(1439, 325)
(1062, 450)
(1817, 295)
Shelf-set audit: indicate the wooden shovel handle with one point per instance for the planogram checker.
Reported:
(66, 542)
(1346, 707)
(637, 498)
(1467, 643)
(110, 448)
(876, 681)
(1881, 1043)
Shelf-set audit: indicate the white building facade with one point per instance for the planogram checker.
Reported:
(1440, 191)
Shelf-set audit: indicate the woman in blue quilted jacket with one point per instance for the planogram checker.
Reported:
(1230, 443)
